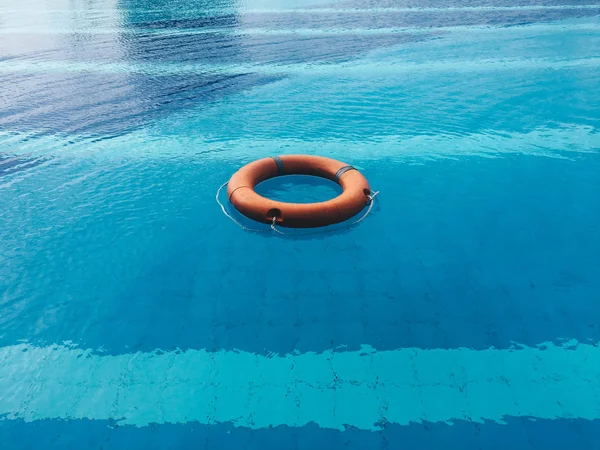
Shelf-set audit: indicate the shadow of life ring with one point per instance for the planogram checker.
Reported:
(355, 196)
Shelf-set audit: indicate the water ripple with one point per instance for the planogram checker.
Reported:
(105, 72)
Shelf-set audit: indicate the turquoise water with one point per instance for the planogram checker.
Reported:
(462, 313)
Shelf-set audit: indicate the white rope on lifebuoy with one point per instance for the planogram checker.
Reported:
(256, 230)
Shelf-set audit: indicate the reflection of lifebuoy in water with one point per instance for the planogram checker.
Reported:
(355, 196)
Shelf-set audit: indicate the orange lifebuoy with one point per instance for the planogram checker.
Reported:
(355, 196)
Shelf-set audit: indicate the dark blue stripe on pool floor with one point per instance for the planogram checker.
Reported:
(516, 434)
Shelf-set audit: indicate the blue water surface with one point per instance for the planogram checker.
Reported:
(461, 313)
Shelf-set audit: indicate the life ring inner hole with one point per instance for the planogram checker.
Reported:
(299, 189)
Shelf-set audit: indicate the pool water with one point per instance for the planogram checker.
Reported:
(298, 189)
(460, 314)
